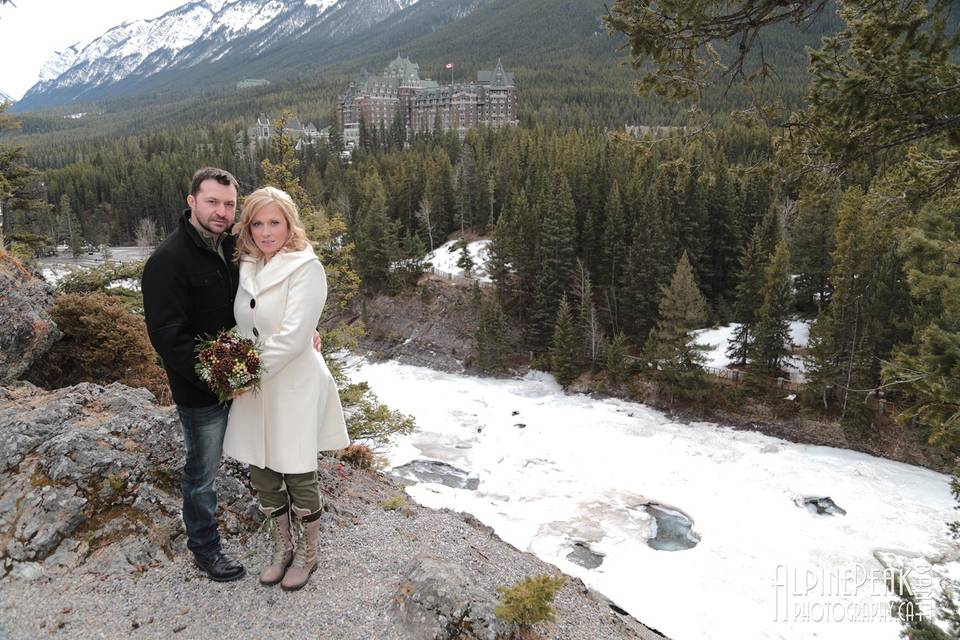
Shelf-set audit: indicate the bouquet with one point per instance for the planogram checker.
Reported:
(229, 362)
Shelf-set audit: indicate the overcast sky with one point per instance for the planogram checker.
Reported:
(33, 30)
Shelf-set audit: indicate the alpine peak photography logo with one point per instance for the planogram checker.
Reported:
(853, 593)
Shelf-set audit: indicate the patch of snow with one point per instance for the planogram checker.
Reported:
(221, 54)
(717, 340)
(125, 283)
(322, 5)
(244, 16)
(444, 259)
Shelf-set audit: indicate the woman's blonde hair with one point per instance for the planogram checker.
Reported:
(252, 204)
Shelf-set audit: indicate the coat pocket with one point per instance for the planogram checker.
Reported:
(207, 291)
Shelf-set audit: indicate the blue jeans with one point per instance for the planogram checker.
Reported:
(203, 429)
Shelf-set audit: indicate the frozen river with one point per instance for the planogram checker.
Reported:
(584, 482)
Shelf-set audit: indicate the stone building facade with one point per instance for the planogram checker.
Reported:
(424, 104)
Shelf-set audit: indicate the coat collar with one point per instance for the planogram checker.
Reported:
(274, 272)
(226, 242)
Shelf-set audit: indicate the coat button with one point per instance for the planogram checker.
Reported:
(256, 334)
(253, 303)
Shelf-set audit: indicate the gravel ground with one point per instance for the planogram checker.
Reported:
(364, 552)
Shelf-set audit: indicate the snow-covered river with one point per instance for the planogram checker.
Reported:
(552, 471)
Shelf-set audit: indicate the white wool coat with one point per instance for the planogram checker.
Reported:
(296, 412)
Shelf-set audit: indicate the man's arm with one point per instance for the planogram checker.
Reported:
(165, 287)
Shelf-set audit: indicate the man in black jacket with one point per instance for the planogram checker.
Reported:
(189, 284)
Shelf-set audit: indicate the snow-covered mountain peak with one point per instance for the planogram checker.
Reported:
(198, 33)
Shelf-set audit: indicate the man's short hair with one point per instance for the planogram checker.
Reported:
(222, 176)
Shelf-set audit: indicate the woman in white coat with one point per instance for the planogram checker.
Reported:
(279, 428)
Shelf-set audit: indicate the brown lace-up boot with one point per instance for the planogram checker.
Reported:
(277, 524)
(306, 536)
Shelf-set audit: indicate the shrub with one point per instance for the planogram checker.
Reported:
(102, 343)
(529, 601)
(23, 252)
(368, 419)
(395, 503)
(99, 278)
(358, 455)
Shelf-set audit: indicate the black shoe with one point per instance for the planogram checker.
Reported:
(219, 567)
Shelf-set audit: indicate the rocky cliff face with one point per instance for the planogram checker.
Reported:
(89, 489)
(431, 326)
(26, 330)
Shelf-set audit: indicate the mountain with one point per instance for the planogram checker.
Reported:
(199, 36)
(569, 67)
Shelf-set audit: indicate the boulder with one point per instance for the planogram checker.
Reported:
(821, 505)
(436, 471)
(26, 329)
(437, 600)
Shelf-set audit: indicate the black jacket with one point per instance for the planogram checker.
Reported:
(188, 293)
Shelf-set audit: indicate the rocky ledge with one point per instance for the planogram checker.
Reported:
(26, 330)
(92, 544)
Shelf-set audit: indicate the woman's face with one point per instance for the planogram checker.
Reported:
(269, 229)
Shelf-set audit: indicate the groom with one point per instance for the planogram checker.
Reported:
(189, 283)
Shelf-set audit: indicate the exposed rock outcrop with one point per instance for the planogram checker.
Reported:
(89, 475)
(430, 326)
(26, 330)
(439, 601)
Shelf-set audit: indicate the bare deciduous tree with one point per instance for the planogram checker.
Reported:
(146, 233)
(423, 216)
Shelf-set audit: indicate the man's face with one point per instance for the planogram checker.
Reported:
(213, 207)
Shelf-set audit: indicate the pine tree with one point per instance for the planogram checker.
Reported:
(523, 245)
(465, 261)
(588, 325)
(440, 189)
(749, 298)
(869, 311)
(564, 347)
(490, 340)
(74, 237)
(542, 317)
(692, 223)
(614, 249)
(723, 243)
(756, 201)
(682, 309)
(772, 344)
(375, 236)
(812, 238)
(282, 170)
(647, 271)
(499, 257)
(616, 363)
(558, 232)
(926, 371)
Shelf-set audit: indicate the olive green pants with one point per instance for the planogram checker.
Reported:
(273, 487)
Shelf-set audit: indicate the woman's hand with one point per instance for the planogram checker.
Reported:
(239, 392)
(316, 341)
